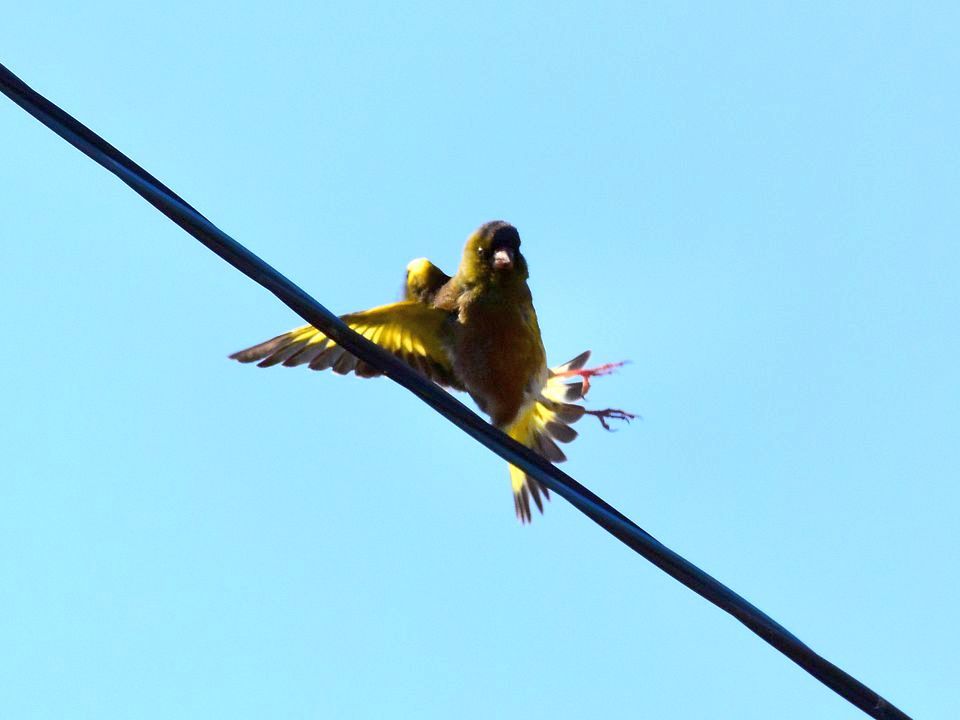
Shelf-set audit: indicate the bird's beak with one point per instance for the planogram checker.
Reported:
(503, 259)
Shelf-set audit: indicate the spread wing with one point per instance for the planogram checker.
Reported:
(414, 332)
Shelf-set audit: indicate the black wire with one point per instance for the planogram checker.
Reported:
(608, 517)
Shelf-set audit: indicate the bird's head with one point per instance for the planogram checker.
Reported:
(492, 255)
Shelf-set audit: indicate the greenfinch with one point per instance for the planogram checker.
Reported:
(475, 332)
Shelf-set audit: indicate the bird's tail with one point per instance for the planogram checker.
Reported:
(541, 425)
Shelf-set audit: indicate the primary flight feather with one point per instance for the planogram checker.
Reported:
(477, 332)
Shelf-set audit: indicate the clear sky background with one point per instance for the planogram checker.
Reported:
(757, 205)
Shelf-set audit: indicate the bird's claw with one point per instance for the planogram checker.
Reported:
(610, 414)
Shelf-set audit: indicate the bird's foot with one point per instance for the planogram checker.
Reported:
(610, 414)
(587, 373)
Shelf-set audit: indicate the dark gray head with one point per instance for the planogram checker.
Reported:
(492, 254)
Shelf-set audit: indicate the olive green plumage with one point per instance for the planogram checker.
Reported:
(476, 331)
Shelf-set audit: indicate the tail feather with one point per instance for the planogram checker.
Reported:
(560, 432)
(578, 362)
(540, 426)
(525, 487)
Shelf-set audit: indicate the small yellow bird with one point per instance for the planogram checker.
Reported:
(477, 332)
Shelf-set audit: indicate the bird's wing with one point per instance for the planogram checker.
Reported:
(423, 281)
(410, 330)
(542, 423)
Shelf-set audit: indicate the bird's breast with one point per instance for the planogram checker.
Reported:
(499, 357)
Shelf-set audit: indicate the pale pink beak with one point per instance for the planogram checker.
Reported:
(503, 259)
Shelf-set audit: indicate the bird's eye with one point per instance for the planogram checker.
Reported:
(480, 251)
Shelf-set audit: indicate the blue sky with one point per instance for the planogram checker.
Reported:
(756, 205)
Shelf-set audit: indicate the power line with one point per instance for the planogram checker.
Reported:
(605, 515)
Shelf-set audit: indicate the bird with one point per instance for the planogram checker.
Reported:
(476, 332)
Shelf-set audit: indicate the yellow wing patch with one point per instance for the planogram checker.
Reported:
(540, 425)
(424, 279)
(411, 330)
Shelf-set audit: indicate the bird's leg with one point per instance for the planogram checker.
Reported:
(610, 414)
(587, 373)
